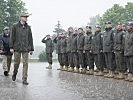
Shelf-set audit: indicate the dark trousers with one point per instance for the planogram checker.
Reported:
(110, 60)
(100, 61)
(89, 57)
(81, 58)
(74, 60)
(129, 60)
(60, 59)
(64, 58)
(120, 63)
(69, 58)
(49, 57)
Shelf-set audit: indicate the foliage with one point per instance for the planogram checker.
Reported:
(10, 11)
(42, 56)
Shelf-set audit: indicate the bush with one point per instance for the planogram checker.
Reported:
(42, 56)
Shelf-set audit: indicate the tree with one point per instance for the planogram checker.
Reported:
(118, 14)
(10, 11)
(94, 21)
(42, 56)
(58, 28)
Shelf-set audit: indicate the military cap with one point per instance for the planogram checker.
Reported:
(130, 23)
(97, 26)
(88, 27)
(6, 28)
(108, 22)
(119, 23)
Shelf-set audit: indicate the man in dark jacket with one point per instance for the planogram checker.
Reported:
(128, 50)
(69, 54)
(119, 51)
(74, 51)
(98, 51)
(80, 48)
(21, 42)
(108, 43)
(89, 57)
(6, 54)
(49, 49)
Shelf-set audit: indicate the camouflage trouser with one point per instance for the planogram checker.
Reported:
(49, 57)
(74, 60)
(130, 63)
(120, 63)
(17, 59)
(6, 62)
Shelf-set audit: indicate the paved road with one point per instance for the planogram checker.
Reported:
(57, 85)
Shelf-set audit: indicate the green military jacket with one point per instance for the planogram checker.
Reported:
(21, 38)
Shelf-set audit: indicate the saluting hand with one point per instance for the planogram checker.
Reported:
(12, 50)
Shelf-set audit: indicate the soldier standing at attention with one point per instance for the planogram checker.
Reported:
(89, 57)
(119, 51)
(21, 43)
(98, 51)
(108, 43)
(69, 54)
(80, 48)
(49, 49)
(128, 50)
(74, 51)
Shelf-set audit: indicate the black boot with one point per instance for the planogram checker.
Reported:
(25, 83)
(14, 77)
(6, 73)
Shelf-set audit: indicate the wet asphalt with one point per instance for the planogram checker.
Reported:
(52, 84)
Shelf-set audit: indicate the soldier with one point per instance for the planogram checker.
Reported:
(57, 40)
(98, 51)
(74, 51)
(80, 48)
(128, 50)
(21, 42)
(69, 42)
(6, 54)
(64, 52)
(119, 51)
(49, 49)
(108, 42)
(88, 51)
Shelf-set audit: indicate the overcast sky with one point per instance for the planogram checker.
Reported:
(46, 13)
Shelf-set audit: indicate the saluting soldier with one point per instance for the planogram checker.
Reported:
(49, 49)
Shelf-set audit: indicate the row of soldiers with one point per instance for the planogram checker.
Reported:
(110, 51)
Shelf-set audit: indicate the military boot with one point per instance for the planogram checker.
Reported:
(61, 67)
(90, 72)
(96, 70)
(106, 70)
(65, 68)
(83, 71)
(107, 74)
(120, 76)
(14, 77)
(49, 67)
(100, 73)
(71, 69)
(111, 75)
(76, 70)
(129, 77)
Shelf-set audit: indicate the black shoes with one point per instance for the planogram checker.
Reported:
(25, 83)
(13, 77)
(6, 73)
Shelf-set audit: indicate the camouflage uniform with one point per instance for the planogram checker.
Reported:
(49, 49)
